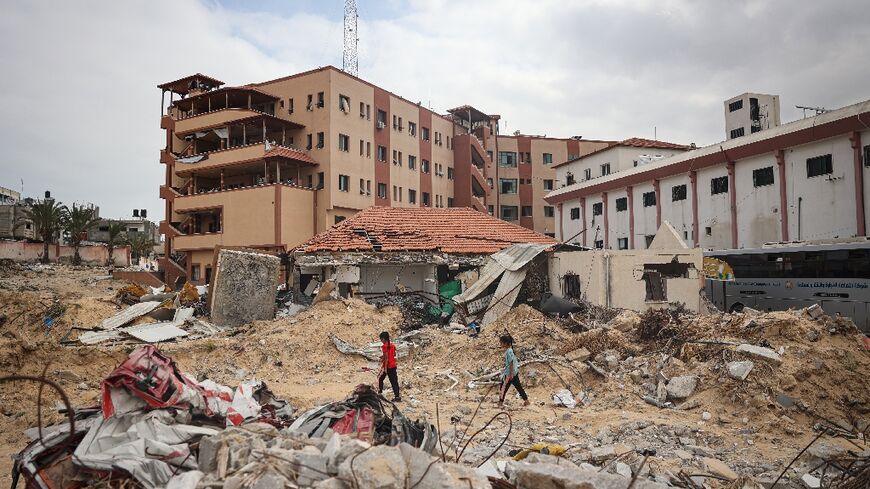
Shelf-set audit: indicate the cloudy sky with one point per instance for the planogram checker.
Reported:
(80, 107)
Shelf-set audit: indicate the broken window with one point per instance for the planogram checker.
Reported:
(820, 165)
(320, 139)
(382, 119)
(719, 185)
(678, 192)
(867, 155)
(587, 174)
(412, 196)
(320, 100)
(426, 202)
(194, 272)
(597, 208)
(599, 244)
(320, 181)
(450, 174)
(424, 133)
(621, 204)
(412, 128)
(424, 166)
(362, 186)
(571, 286)
(762, 177)
(569, 178)
(656, 274)
(649, 199)
(655, 286)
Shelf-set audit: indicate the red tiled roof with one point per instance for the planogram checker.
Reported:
(290, 153)
(449, 230)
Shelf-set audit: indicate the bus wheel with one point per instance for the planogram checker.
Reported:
(737, 307)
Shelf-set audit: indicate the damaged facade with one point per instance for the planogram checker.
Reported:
(269, 165)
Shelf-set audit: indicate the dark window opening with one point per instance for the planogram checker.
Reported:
(621, 204)
(649, 199)
(719, 185)
(820, 165)
(736, 133)
(571, 286)
(622, 243)
(762, 176)
(736, 105)
(575, 213)
(597, 208)
(678, 192)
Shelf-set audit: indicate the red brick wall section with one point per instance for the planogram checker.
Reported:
(425, 154)
(462, 171)
(382, 138)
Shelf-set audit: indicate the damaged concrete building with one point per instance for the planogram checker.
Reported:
(639, 279)
(390, 249)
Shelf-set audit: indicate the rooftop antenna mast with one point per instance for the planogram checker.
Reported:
(350, 62)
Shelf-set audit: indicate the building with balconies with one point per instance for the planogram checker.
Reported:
(269, 165)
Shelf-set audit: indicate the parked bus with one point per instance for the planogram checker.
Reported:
(795, 275)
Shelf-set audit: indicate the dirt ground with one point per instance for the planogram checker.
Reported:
(754, 426)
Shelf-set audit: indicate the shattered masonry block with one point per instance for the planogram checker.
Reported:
(740, 370)
(244, 287)
(682, 387)
(760, 352)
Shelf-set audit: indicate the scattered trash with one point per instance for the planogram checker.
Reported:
(563, 397)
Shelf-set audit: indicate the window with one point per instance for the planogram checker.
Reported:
(343, 183)
(507, 158)
(489, 181)
(395, 193)
(507, 185)
(338, 219)
(509, 212)
(575, 213)
(599, 244)
(368, 187)
(490, 209)
(622, 243)
(621, 204)
(310, 181)
(587, 174)
(320, 100)
(649, 199)
(678, 192)
(412, 196)
(526, 211)
(708, 231)
(344, 143)
(605, 169)
(320, 139)
(489, 155)
(548, 158)
(736, 105)
(569, 178)
(368, 149)
(290, 105)
(762, 176)
(449, 201)
(382, 119)
(426, 202)
(649, 239)
(382, 153)
(424, 133)
(412, 162)
(368, 112)
(362, 110)
(450, 174)
(309, 145)
(820, 165)
(598, 208)
(867, 155)
(424, 166)
(382, 190)
(548, 211)
(397, 157)
(362, 147)
(412, 128)
(344, 104)
(194, 272)
(320, 181)
(362, 186)
(719, 185)
(548, 184)
(310, 105)
(736, 133)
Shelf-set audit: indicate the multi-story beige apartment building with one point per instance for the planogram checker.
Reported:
(268, 165)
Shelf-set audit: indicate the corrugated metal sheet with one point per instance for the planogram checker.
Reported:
(155, 332)
(517, 256)
(94, 337)
(505, 295)
(129, 314)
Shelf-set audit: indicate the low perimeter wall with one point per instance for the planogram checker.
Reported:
(92, 254)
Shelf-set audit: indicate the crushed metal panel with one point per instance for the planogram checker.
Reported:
(505, 295)
(129, 314)
(490, 273)
(94, 337)
(155, 332)
(519, 255)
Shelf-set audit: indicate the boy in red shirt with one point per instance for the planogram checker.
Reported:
(388, 366)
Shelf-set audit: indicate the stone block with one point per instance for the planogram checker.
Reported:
(760, 352)
(682, 387)
(243, 287)
(739, 370)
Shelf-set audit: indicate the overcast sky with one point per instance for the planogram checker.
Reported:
(80, 107)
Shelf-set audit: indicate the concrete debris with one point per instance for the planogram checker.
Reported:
(563, 397)
(717, 467)
(526, 475)
(760, 352)
(739, 370)
(811, 482)
(243, 287)
(682, 387)
(814, 311)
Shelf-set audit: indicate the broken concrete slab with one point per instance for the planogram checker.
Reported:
(739, 370)
(717, 467)
(549, 476)
(760, 352)
(379, 466)
(682, 387)
(244, 287)
(811, 482)
(579, 355)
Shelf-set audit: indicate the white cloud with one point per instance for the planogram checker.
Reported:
(80, 101)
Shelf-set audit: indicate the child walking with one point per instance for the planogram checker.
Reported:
(510, 374)
(388, 366)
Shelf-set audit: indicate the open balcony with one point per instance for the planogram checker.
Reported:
(248, 98)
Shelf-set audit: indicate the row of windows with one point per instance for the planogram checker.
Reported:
(365, 188)
(510, 158)
(365, 112)
(510, 212)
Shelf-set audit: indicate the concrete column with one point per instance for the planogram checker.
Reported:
(732, 195)
(855, 139)
(606, 224)
(783, 195)
(693, 178)
(630, 191)
(658, 203)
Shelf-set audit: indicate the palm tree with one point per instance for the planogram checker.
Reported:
(77, 220)
(47, 218)
(140, 244)
(116, 237)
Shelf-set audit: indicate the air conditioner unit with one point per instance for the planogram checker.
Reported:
(381, 125)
